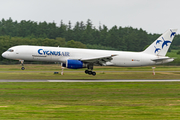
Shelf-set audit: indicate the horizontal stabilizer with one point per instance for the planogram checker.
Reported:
(162, 59)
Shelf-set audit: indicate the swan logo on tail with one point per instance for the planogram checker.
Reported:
(156, 49)
(172, 33)
(165, 42)
(158, 41)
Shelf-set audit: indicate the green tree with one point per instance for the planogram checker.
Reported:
(61, 42)
(75, 44)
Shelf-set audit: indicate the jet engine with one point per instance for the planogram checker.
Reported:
(74, 64)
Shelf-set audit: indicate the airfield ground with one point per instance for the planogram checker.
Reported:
(47, 72)
(90, 101)
(87, 100)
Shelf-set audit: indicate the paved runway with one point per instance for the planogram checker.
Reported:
(178, 80)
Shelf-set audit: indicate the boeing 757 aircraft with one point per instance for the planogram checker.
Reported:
(75, 58)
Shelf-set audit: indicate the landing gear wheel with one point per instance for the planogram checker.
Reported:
(86, 71)
(23, 68)
(90, 72)
(93, 73)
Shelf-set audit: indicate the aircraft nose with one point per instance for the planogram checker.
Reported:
(4, 55)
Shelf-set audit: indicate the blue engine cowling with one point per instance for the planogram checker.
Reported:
(73, 64)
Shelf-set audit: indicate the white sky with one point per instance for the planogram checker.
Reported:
(154, 16)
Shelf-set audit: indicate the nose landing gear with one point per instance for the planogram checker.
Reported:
(22, 63)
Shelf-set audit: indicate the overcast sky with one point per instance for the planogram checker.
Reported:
(154, 16)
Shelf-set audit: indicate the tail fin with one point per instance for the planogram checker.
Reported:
(161, 45)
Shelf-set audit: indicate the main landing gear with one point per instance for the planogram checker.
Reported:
(22, 63)
(90, 72)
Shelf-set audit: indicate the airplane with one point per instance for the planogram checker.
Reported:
(76, 58)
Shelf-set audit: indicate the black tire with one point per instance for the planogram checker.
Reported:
(86, 71)
(23, 68)
(90, 72)
(93, 73)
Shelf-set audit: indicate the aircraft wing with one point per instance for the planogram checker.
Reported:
(102, 60)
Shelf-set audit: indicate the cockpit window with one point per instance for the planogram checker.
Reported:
(10, 50)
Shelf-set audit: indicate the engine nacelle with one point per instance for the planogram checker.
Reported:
(74, 64)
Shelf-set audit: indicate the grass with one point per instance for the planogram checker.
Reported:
(55, 67)
(109, 75)
(47, 72)
(90, 101)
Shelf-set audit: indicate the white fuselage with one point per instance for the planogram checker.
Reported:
(60, 54)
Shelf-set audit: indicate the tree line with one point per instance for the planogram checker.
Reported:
(83, 35)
